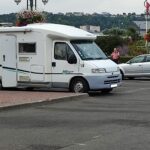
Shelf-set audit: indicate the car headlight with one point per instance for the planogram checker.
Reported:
(98, 70)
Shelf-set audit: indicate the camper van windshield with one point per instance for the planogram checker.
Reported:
(88, 50)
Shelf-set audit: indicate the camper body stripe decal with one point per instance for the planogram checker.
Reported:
(25, 71)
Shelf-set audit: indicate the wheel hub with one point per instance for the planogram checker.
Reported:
(78, 87)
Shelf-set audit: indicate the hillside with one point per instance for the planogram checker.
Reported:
(105, 21)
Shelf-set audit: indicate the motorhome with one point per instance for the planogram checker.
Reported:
(54, 56)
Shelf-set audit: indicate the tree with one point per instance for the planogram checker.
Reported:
(132, 32)
(115, 32)
(107, 43)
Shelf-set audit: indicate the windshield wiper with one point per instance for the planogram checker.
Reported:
(100, 58)
(91, 58)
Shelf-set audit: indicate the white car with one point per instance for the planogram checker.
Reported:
(138, 66)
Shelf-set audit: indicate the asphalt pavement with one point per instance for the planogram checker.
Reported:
(118, 121)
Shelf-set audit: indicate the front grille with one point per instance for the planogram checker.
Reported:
(112, 76)
(111, 81)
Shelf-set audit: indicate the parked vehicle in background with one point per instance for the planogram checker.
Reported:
(138, 66)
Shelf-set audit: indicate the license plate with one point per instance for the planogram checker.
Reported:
(113, 85)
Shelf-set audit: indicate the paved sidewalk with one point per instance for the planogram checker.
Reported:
(9, 98)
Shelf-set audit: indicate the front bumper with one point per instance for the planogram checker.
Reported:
(108, 81)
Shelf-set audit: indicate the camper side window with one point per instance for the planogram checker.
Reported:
(60, 51)
(27, 47)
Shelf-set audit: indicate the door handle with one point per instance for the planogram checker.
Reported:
(3, 57)
(53, 64)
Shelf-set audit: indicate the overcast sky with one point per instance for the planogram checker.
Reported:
(87, 6)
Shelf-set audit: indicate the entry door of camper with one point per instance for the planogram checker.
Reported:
(62, 71)
(9, 75)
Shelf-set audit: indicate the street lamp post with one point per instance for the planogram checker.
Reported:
(31, 3)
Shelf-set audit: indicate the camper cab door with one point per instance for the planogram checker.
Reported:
(9, 75)
(64, 64)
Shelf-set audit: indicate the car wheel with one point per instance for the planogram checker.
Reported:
(29, 88)
(1, 87)
(79, 85)
(130, 78)
(122, 74)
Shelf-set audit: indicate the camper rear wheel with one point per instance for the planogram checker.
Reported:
(29, 88)
(79, 85)
(1, 87)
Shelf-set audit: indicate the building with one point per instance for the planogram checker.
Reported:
(78, 13)
(142, 26)
(90, 28)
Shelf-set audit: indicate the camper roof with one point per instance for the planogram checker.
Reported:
(56, 30)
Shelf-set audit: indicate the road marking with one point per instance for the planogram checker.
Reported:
(81, 144)
(95, 137)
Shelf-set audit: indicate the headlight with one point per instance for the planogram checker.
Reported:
(98, 70)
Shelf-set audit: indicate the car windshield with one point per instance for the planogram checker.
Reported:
(88, 50)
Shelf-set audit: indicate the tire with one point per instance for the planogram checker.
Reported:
(122, 74)
(105, 91)
(130, 78)
(79, 85)
(29, 88)
(1, 87)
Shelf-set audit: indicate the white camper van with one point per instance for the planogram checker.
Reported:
(56, 56)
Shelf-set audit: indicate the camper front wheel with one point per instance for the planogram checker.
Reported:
(79, 85)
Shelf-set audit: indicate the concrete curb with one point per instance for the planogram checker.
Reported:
(46, 101)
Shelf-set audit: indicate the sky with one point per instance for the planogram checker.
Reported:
(86, 6)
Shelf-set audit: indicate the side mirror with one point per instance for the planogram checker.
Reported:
(72, 59)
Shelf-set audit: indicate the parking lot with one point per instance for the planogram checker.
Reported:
(119, 121)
